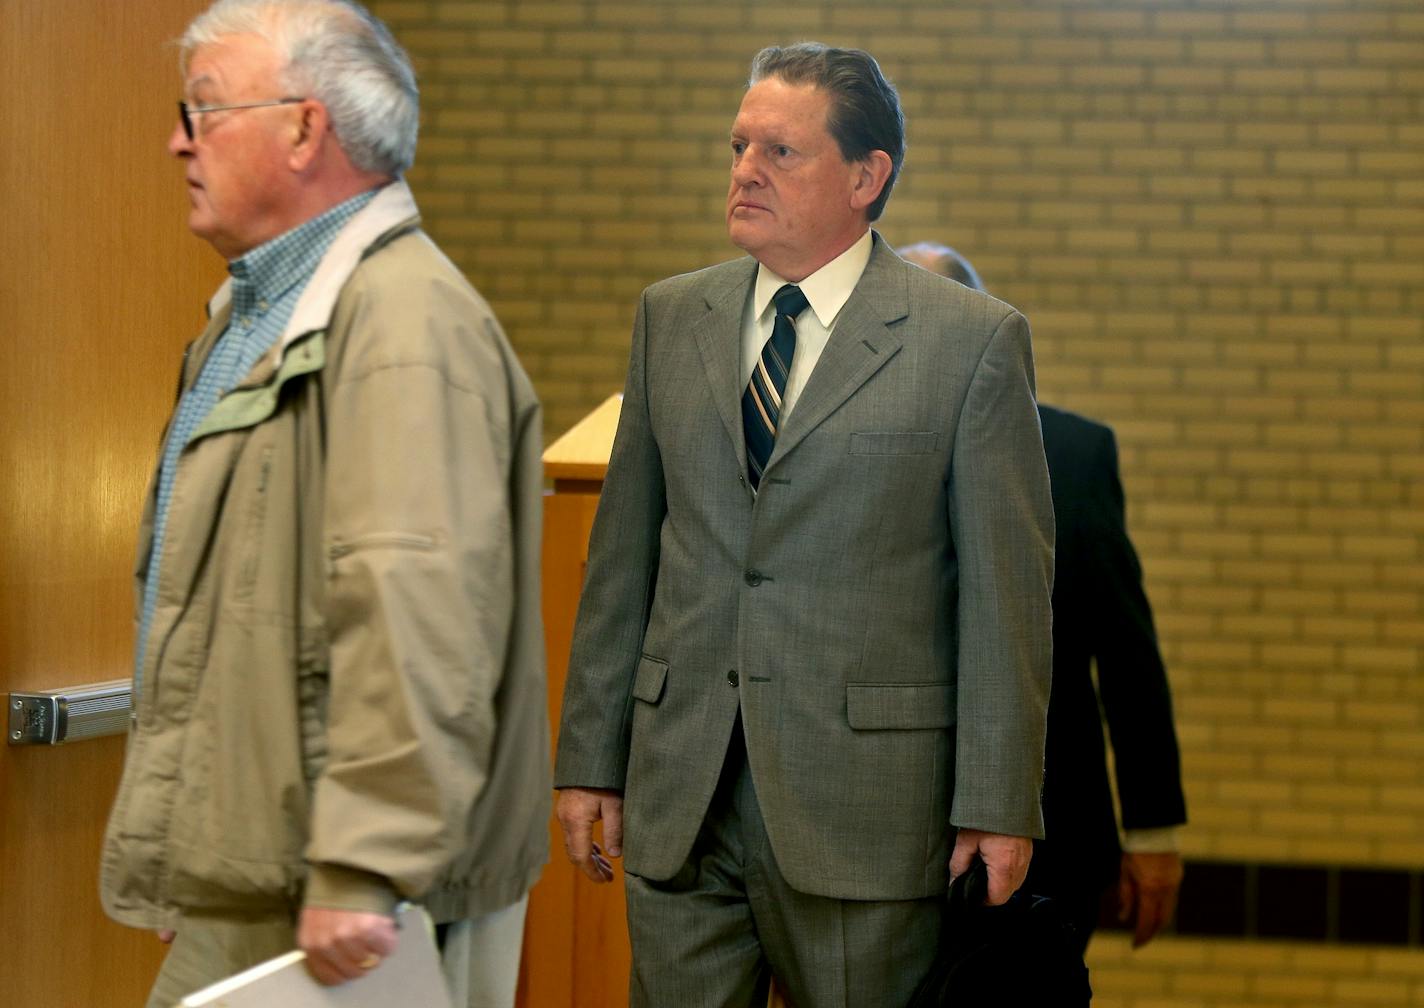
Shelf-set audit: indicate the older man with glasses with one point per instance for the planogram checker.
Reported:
(339, 684)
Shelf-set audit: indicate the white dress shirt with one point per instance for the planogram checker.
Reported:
(827, 290)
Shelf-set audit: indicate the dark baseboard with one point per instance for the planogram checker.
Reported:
(1322, 903)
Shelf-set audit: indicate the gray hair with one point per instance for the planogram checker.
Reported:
(337, 52)
(943, 260)
(865, 110)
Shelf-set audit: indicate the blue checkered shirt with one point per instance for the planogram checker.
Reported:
(266, 284)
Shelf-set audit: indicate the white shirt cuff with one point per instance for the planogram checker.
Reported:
(1159, 840)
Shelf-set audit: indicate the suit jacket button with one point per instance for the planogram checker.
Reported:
(732, 678)
(753, 577)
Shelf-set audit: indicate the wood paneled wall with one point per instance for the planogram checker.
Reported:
(100, 286)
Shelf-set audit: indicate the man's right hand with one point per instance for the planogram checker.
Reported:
(578, 809)
(1147, 892)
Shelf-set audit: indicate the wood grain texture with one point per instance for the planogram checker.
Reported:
(100, 286)
(570, 957)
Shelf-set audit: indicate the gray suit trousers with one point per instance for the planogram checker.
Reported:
(714, 933)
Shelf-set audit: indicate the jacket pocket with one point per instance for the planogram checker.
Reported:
(650, 679)
(871, 706)
(341, 546)
(893, 442)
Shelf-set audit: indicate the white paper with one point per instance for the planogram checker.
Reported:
(408, 976)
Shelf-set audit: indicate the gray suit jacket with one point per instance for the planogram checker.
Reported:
(879, 612)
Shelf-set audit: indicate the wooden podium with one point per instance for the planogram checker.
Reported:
(576, 934)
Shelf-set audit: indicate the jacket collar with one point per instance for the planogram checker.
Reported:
(718, 337)
(390, 213)
(392, 209)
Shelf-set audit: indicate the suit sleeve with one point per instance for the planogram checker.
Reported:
(419, 547)
(1132, 682)
(596, 720)
(1001, 519)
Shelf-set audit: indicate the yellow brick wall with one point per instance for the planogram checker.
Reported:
(1212, 213)
(1184, 973)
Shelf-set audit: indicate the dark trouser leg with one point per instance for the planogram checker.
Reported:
(1079, 911)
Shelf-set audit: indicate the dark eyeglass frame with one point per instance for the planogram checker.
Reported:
(185, 114)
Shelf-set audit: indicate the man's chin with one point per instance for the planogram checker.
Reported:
(743, 235)
(204, 229)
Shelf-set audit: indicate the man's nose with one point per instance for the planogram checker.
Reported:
(746, 170)
(178, 142)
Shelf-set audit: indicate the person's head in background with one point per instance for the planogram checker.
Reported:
(943, 260)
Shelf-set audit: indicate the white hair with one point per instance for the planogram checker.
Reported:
(338, 53)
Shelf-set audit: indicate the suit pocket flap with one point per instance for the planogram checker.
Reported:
(921, 705)
(893, 443)
(650, 678)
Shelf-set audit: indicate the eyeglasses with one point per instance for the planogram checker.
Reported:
(186, 114)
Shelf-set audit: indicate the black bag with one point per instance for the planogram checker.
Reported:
(1020, 953)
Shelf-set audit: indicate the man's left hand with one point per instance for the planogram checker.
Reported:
(1006, 857)
(342, 945)
(1147, 892)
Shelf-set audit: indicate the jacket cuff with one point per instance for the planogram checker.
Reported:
(336, 887)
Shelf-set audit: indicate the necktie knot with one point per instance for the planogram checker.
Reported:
(790, 301)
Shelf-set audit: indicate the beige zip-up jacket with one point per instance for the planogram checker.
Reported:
(343, 698)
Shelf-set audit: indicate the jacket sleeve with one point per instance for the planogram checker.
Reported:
(419, 600)
(623, 555)
(1001, 519)
(1132, 681)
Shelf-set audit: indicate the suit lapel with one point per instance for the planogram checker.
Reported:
(718, 335)
(860, 345)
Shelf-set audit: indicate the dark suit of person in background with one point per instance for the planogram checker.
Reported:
(1100, 613)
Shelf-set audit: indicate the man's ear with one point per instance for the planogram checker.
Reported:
(872, 172)
(308, 133)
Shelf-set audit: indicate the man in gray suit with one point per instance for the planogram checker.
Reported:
(811, 664)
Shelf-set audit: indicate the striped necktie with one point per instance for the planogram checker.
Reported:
(761, 402)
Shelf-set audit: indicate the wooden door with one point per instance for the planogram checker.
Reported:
(100, 287)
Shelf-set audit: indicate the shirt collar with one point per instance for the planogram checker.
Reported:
(827, 289)
(272, 268)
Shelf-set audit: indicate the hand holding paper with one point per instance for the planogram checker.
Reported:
(408, 975)
(344, 944)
